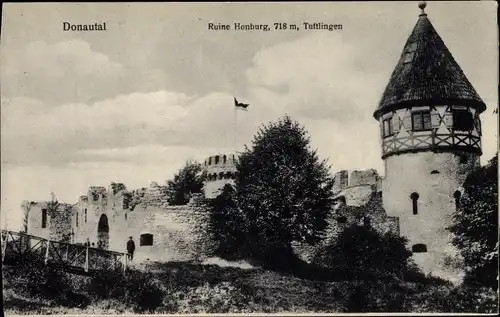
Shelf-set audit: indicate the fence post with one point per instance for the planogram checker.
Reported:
(125, 263)
(4, 246)
(86, 268)
(47, 252)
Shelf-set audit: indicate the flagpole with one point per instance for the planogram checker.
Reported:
(235, 132)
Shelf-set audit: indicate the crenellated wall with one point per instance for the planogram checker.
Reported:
(108, 217)
(220, 170)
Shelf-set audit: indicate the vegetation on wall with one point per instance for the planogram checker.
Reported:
(53, 206)
(188, 180)
(475, 225)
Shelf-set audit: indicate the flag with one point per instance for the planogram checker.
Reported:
(239, 105)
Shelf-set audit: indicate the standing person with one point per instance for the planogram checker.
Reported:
(130, 248)
(87, 243)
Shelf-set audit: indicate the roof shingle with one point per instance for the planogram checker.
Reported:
(427, 74)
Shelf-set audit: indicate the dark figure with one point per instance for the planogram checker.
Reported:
(87, 243)
(130, 248)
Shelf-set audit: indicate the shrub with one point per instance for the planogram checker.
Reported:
(32, 277)
(462, 299)
(226, 224)
(475, 226)
(137, 289)
(365, 253)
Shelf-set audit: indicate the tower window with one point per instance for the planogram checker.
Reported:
(478, 125)
(410, 53)
(419, 248)
(414, 200)
(77, 218)
(457, 195)
(44, 218)
(421, 121)
(85, 215)
(146, 239)
(210, 160)
(367, 222)
(462, 120)
(224, 159)
(125, 216)
(216, 159)
(388, 129)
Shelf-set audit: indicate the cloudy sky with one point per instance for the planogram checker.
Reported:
(131, 104)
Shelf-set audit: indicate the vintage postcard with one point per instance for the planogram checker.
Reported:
(253, 158)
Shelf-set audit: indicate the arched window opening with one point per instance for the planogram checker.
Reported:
(85, 215)
(414, 198)
(216, 159)
(125, 216)
(44, 218)
(76, 219)
(419, 248)
(457, 195)
(146, 239)
(435, 172)
(210, 160)
(103, 232)
(224, 159)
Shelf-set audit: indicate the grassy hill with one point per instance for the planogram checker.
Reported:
(195, 288)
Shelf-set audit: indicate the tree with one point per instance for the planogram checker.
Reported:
(475, 225)
(187, 181)
(227, 224)
(283, 190)
(26, 206)
(52, 206)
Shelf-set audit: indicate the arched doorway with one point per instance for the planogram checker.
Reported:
(103, 232)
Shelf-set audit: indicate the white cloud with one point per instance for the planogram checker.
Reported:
(59, 72)
(317, 77)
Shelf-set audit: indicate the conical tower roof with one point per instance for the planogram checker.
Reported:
(427, 74)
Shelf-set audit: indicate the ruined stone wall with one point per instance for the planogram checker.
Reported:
(365, 177)
(35, 221)
(359, 202)
(340, 181)
(60, 224)
(57, 226)
(179, 233)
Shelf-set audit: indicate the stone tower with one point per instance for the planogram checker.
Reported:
(221, 170)
(431, 139)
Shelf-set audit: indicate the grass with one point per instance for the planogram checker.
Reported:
(163, 288)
